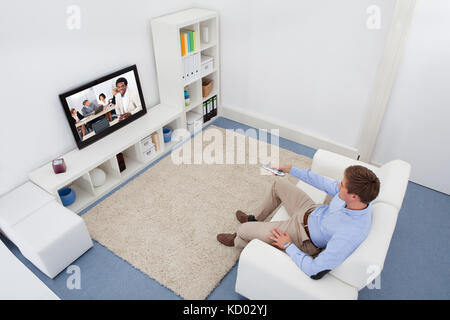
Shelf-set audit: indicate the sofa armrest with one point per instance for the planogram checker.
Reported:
(283, 279)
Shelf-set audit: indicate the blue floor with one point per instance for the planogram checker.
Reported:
(417, 265)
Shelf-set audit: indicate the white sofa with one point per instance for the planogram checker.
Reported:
(265, 272)
(17, 282)
(46, 233)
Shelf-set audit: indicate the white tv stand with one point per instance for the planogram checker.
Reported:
(103, 153)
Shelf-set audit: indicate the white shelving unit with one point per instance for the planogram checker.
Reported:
(169, 60)
(102, 154)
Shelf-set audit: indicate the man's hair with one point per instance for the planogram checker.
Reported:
(122, 79)
(362, 182)
(102, 95)
(84, 102)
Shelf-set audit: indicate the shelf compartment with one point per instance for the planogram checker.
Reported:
(213, 53)
(132, 161)
(84, 193)
(211, 76)
(208, 32)
(195, 94)
(196, 42)
(112, 172)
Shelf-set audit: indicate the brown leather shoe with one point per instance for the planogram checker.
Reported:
(241, 216)
(226, 238)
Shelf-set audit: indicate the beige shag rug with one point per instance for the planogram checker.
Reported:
(165, 221)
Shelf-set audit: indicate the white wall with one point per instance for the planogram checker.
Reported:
(41, 58)
(309, 64)
(416, 127)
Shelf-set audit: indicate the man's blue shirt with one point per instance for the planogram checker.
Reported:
(337, 229)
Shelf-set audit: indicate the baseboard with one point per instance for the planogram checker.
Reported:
(287, 131)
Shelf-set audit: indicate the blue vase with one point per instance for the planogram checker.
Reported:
(67, 196)
(167, 132)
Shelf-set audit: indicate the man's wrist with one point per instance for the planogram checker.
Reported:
(287, 244)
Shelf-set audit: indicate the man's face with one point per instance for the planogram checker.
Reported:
(122, 87)
(88, 103)
(343, 191)
(344, 195)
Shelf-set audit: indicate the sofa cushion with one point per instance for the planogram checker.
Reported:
(393, 177)
(371, 253)
(318, 196)
(20, 203)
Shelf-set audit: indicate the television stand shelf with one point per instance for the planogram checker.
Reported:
(102, 154)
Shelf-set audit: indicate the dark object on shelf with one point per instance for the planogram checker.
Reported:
(59, 165)
(206, 115)
(67, 196)
(209, 109)
(121, 161)
(214, 103)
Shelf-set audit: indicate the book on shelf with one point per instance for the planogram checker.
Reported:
(188, 43)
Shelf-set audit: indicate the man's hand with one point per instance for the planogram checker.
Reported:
(124, 116)
(279, 238)
(283, 168)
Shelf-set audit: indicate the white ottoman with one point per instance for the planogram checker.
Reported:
(18, 282)
(46, 233)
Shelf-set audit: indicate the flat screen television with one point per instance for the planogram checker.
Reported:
(103, 106)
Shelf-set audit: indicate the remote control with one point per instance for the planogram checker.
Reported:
(274, 171)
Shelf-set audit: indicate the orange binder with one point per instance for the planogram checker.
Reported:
(182, 45)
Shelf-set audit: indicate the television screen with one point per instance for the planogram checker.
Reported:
(100, 107)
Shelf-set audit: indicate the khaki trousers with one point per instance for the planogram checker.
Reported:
(296, 202)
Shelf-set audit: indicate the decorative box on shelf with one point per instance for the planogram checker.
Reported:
(149, 153)
(207, 64)
(147, 143)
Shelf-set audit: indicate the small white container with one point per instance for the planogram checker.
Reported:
(147, 143)
(150, 153)
(194, 121)
(207, 64)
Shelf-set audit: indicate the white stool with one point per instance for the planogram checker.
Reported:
(46, 233)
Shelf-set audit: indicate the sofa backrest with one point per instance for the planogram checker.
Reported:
(367, 260)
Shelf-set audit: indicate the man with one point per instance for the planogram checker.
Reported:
(127, 101)
(318, 238)
(88, 108)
